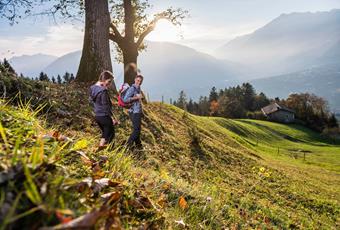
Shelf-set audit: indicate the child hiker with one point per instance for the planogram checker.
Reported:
(103, 108)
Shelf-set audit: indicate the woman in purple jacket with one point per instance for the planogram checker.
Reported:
(103, 107)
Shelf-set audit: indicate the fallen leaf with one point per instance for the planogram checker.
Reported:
(55, 134)
(180, 222)
(62, 217)
(88, 181)
(86, 221)
(166, 186)
(81, 144)
(266, 220)
(97, 172)
(111, 198)
(99, 184)
(114, 183)
(64, 138)
(182, 203)
(85, 158)
(161, 200)
(65, 212)
(145, 201)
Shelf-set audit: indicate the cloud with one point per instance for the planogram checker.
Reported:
(58, 41)
(207, 38)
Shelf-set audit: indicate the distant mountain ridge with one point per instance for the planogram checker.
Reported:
(66, 63)
(323, 81)
(288, 43)
(31, 65)
(164, 65)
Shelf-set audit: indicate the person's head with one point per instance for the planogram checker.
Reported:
(106, 78)
(139, 80)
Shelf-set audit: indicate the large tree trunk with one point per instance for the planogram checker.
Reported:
(130, 65)
(129, 48)
(96, 50)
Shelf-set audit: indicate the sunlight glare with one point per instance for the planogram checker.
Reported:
(164, 31)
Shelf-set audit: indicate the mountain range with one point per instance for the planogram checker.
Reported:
(289, 43)
(323, 81)
(164, 66)
(31, 65)
(297, 52)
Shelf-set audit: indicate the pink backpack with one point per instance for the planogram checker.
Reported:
(122, 91)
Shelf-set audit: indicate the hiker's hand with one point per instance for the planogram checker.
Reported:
(115, 122)
(137, 97)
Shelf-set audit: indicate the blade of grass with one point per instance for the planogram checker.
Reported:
(10, 212)
(16, 148)
(3, 135)
(2, 197)
(38, 109)
(28, 212)
(31, 189)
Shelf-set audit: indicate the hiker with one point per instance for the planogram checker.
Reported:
(134, 97)
(103, 107)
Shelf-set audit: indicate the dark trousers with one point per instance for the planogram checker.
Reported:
(136, 119)
(106, 125)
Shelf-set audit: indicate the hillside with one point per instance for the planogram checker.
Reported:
(323, 81)
(290, 42)
(196, 172)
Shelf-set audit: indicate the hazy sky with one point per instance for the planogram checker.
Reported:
(210, 25)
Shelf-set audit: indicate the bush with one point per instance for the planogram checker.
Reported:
(257, 115)
(333, 133)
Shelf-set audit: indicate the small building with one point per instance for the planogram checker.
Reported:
(278, 113)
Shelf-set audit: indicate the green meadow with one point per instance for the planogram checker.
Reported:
(194, 173)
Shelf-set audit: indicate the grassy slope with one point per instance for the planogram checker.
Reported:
(295, 190)
(277, 141)
(228, 171)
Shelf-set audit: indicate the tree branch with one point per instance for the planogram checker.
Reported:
(116, 32)
(175, 16)
(149, 29)
(115, 35)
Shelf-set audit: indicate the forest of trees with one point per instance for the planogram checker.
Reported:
(66, 78)
(242, 101)
(312, 110)
(234, 102)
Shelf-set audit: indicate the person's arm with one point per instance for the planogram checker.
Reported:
(128, 97)
(105, 100)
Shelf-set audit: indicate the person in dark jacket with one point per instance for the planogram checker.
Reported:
(103, 107)
(134, 97)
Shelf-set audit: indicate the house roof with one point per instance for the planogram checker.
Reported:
(274, 107)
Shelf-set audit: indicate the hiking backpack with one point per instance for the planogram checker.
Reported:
(121, 93)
